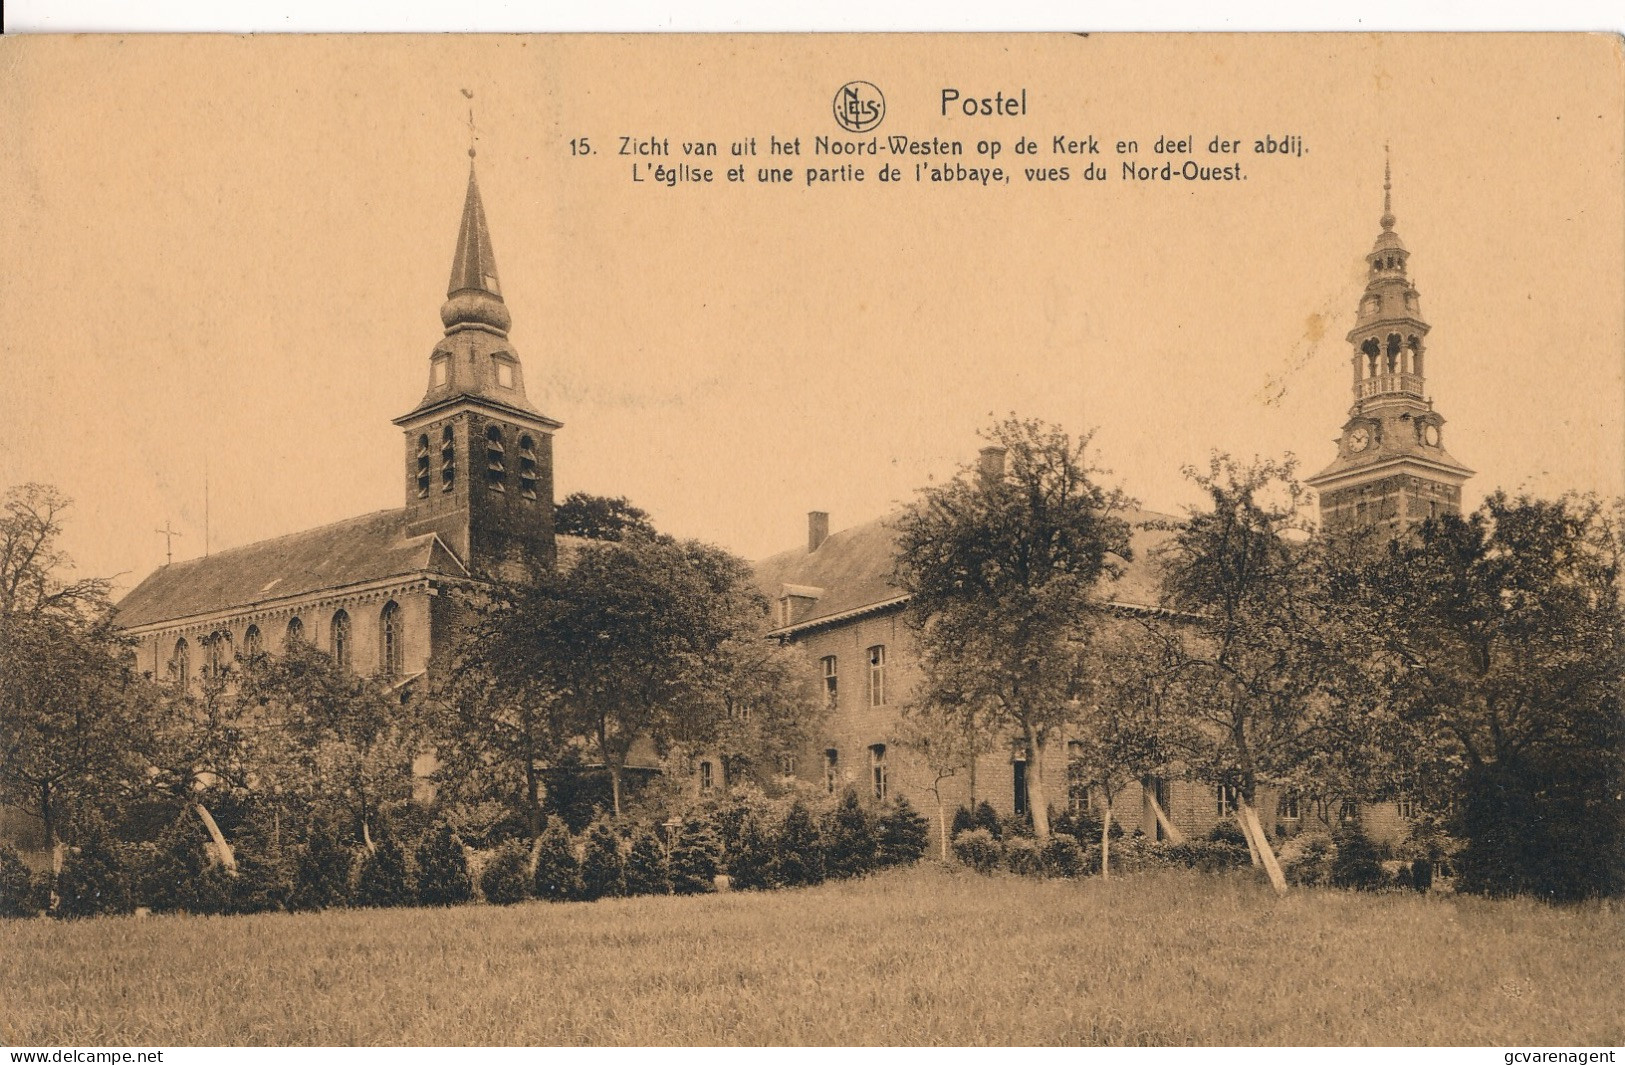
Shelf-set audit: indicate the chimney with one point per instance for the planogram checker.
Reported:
(817, 529)
(991, 462)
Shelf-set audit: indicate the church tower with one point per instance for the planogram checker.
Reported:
(1391, 470)
(479, 456)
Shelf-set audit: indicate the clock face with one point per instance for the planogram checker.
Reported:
(1359, 439)
(1430, 436)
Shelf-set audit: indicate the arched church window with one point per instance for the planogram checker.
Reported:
(341, 639)
(496, 469)
(253, 645)
(217, 653)
(528, 470)
(181, 664)
(389, 639)
(423, 465)
(448, 459)
(296, 631)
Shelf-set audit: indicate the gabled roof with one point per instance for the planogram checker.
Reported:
(853, 567)
(369, 548)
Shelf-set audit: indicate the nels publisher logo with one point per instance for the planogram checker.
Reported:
(859, 107)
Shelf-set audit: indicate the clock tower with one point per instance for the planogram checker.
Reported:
(1391, 470)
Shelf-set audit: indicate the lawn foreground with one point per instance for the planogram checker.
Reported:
(921, 956)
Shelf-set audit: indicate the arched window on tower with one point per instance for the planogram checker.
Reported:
(1392, 361)
(528, 470)
(389, 640)
(181, 665)
(424, 476)
(341, 639)
(253, 643)
(1414, 346)
(296, 632)
(448, 459)
(1371, 349)
(496, 469)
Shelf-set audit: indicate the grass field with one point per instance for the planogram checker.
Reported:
(923, 956)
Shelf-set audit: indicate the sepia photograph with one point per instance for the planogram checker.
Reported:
(812, 540)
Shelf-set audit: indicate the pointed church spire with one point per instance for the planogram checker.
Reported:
(474, 294)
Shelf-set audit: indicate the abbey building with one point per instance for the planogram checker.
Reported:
(477, 477)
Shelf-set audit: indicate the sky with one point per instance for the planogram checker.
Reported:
(227, 257)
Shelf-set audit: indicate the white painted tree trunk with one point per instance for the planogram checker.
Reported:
(222, 849)
(1261, 843)
(1106, 840)
(366, 838)
(1174, 835)
(942, 827)
(1035, 788)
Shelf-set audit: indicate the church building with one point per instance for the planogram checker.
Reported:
(477, 480)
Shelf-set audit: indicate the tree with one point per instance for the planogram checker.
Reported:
(73, 710)
(496, 726)
(95, 877)
(557, 877)
(384, 879)
(903, 834)
(1246, 660)
(321, 877)
(850, 838)
(1002, 565)
(1489, 648)
(799, 857)
(647, 871)
(603, 866)
(947, 734)
(443, 878)
(648, 637)
(1122, 721)
(600, 517)
(340, 743)
(695, 856)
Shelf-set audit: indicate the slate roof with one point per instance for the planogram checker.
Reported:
(854, 566)
(369, 548)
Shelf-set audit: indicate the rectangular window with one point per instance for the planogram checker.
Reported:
(1226, 795)
(1077, 792)
(707, 782)
(437, 372)
(1348, 810)
(1018, 786)
(1287, 809)
(877, 675)
(831, 682)
(832, 767)
(504, 373)
(877, 770)
(787, 765)
(1406, 808)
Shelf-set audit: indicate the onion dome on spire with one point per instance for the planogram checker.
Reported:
(474, 294)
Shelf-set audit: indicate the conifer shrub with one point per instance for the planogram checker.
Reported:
(1228, 832)
(95, 877)
(1023, 856)
(557, 877)
(798, 857)
(505, 879)
(1062, 856)
(647, 872)
(751, 859)
(695, 856)
(1079, 824)
(1421, 874)
(979, 849)
(603, 866)
(180, 873)
(321, 877)
(904, 835)
(385, 880)
(963, 821)
(850, 840)
(985, 817)
(1355, 863)
(443, 878)
(265, 867)
(17, 894)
